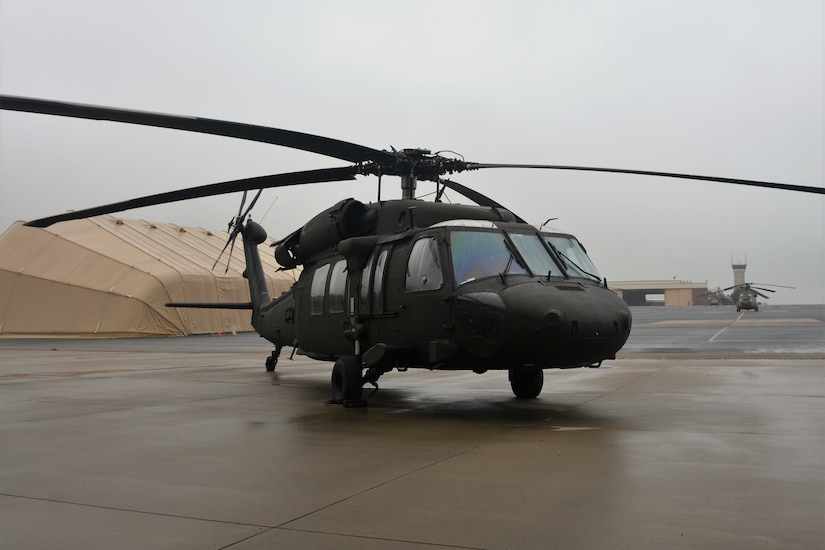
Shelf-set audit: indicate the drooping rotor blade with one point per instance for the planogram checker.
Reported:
(261, 182)
(478, 198)
(772, 185)
(766, 284)
(753, 285)
(286, 138)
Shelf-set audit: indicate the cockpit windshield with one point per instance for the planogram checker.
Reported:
(480, 254)
(535, 254)
(572, 254)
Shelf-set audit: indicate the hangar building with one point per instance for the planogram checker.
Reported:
(110, 277)
(666, 293)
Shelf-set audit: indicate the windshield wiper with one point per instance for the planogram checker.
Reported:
(564, 257)
(512, 257)
(577, 266)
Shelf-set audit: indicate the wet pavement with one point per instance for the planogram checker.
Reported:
(708, 431)
(794, 330)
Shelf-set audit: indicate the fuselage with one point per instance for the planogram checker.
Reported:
(747, 301)
(458, 294)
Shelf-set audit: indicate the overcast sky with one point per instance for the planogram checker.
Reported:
(720, 87)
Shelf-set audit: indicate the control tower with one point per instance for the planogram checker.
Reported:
(739, 272)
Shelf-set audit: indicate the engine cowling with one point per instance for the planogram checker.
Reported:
(349, 218)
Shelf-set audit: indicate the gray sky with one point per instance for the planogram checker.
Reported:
(722, 87)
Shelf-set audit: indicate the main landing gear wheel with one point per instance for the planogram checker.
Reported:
(526, 384)
(347, 381)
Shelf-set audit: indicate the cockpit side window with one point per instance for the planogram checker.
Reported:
(317, 290)
(371, 296)
(480, 254)
(573, 257)
(424, 267)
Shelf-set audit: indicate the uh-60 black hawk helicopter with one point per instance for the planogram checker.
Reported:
(405, 283)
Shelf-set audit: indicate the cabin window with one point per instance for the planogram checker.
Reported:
(316, 291)
(378, 283)
(480, 254)
(535, 254)
(338, 287)
(424, 267)
(364, 293)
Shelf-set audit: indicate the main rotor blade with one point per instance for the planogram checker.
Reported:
(261, 182)
(766, 284)
(783, 186)
(296, 140)
(475, 196)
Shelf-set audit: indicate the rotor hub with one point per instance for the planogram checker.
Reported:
(419, 164)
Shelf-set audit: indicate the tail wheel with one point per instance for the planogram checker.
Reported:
(347, 381)
(526, 384)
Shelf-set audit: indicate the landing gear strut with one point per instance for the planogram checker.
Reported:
(272, 360)
(371, 377)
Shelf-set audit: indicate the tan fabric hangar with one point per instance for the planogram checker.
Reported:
(110, 277)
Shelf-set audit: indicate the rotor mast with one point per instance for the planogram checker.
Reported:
(409, 183)
(408, 166)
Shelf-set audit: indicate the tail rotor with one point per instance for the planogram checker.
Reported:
(234, 227)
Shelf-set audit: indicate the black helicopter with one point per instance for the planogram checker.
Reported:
(405, 283)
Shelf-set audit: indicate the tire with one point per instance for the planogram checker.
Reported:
(346, 381)
(526, 384)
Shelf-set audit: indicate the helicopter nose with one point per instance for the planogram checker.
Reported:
(480, 320)
(564, 325)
